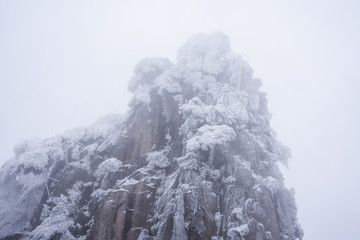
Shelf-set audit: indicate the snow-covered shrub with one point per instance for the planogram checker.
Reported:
(196, 114)
(209, 136)
(168, 82)
(141, 96)
(242, 230)
(101, 129)
(158, 158)
(145, 73)
(108, 166)
(35, 155)
(35, 158)
(55, 221)
(56, 215)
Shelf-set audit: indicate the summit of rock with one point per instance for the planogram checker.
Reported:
(194, 158)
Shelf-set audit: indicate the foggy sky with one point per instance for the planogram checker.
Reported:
(64, 64)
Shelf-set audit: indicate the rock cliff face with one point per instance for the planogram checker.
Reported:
(194, 158)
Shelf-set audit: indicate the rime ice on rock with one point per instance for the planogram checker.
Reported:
(195, 158)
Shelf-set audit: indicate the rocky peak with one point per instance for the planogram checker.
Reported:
(194, 158)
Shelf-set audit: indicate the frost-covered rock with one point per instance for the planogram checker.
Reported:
(194, 158)
(42, 164)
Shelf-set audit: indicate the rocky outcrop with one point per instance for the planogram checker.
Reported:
(194, 158)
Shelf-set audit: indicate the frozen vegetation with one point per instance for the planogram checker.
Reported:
(194, 158)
